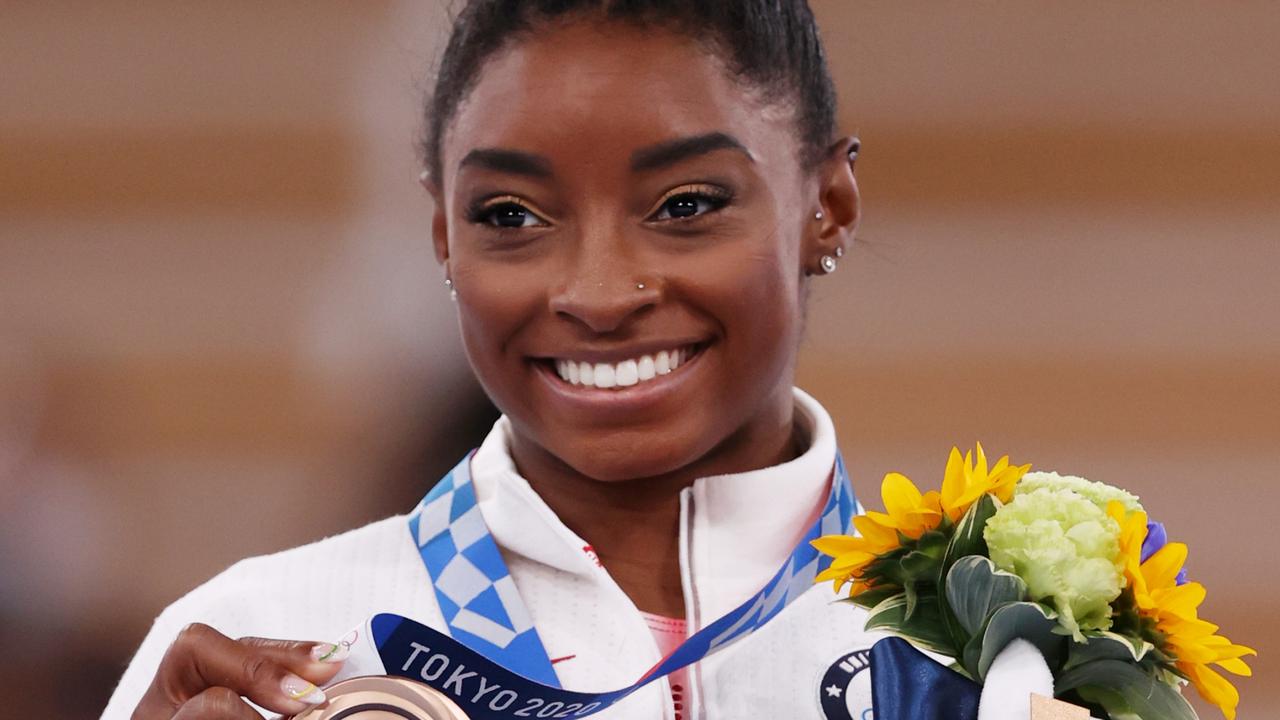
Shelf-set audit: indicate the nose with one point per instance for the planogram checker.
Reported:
(603, 288)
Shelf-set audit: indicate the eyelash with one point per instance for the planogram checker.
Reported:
(715, 196)
(484, 211)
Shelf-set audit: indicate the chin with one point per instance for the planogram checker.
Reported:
(621, 456)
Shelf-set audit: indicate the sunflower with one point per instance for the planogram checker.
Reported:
(964, 481)
(909, 514)
(1173, 609)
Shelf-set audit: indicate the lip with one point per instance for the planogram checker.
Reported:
(621, 401)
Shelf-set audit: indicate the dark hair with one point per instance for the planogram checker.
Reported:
(772, 45)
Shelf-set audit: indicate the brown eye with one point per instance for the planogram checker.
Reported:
(505, 215)
(510, 215)
(690, 204)
(683, 206)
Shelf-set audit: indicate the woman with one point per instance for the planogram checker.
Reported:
(632, 200)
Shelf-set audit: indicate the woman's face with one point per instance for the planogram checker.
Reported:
(628, 233)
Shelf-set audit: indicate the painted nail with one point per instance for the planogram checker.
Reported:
(330, 652)
(301, 690)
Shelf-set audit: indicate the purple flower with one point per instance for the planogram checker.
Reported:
(1156, 539)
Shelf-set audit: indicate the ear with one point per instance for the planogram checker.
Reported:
(439, 217)
(839, 202)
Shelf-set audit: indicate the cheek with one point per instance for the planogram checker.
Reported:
(493, 307)
(752, 291)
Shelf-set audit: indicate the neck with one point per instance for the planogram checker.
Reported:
(634, 525)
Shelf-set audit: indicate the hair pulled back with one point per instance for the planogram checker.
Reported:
(770, 45)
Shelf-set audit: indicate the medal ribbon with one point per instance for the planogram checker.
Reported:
(493, 663)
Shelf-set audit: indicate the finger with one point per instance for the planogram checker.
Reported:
(217, 703)
(202, 658)
(317, 662)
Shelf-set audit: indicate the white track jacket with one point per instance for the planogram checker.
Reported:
(809, 662)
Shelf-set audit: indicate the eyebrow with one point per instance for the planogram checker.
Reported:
(647, 159)
(669, 153)
(508, 161)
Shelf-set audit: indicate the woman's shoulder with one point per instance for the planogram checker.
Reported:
(322, 585)
(367, 548)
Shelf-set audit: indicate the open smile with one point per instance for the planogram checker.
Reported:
(612, 381)
(626, 373)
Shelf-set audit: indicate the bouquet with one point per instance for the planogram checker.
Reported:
(1071, 566)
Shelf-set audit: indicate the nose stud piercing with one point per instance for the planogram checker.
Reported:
(639, 286)
(828, 264)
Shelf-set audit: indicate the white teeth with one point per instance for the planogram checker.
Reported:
(605, 376)
(628, 373)
(645, 370)
(662, 363)
(623, 374)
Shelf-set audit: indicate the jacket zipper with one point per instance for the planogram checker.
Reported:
(693, 709)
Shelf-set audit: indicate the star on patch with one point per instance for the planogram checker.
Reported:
(834, 691)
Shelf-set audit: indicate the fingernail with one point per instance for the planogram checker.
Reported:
(330, 652)
(301, 690)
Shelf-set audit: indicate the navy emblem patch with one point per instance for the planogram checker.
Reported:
(845, 689)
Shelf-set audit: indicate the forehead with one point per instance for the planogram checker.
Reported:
(599, 91)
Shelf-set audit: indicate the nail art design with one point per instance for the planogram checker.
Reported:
(301, 690)
(330, 652)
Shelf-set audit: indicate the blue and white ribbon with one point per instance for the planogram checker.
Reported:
(493, 663)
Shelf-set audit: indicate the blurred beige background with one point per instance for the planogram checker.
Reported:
(222, 331)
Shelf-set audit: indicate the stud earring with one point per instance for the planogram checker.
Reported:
(828, 264)
(818, 215)
(839, 252)
(453, 292)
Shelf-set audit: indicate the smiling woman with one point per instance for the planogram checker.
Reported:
(631, 202)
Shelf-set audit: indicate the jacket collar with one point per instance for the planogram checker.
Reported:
(741, 526)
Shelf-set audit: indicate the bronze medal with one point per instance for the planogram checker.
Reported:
(383, 698)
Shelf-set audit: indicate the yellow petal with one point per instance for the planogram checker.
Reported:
(877, 535)
(953, 479)
(838, 544)
(1001, 465)
(1181, 600)
(839, 577)
(900, 495)
(1235, 666)
(1161, 569)
(980, 472)
(1214, 688)
(880, 519)
(853, 561)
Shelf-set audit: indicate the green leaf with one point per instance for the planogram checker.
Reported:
(1106, 646)
(976, 589)
(889, 611)
(1122, 687)
(1026, 620)
(913, 600)
(1109, 702)
(924, 628)
(876, 595)
(967, 539)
